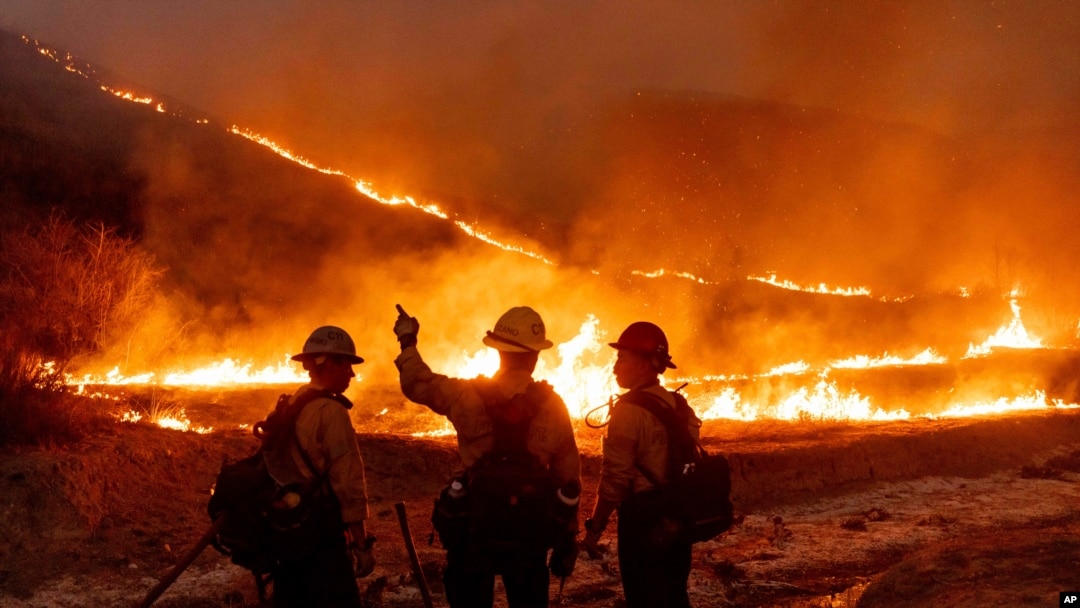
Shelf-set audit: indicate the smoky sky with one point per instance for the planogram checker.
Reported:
(910, 146)
(948, 65)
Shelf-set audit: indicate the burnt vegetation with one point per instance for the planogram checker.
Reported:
(66, 291)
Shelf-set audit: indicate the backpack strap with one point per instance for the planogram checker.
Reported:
(287, 414)
(512, 416)
(676, 425)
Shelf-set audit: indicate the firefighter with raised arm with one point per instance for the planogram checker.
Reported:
(325, 452)
(517, 493)
(654, 570)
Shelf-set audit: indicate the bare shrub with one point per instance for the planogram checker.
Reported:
(65, 292)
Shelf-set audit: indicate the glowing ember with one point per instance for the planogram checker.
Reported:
(1013, 335)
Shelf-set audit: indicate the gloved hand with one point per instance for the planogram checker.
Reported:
(564, 556)
(406, 328)
(592, 541)
(363, 557)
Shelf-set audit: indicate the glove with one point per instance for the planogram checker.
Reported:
(592, 541)
(564, 556)
(363, 557)
(406, 328)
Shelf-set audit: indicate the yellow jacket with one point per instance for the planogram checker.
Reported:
(551, 435)
(326, 433)
(636, 436)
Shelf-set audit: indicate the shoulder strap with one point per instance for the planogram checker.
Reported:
(676, 426)
(288, 414)
(512, 416)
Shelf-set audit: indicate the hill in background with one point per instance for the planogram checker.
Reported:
(260, 249)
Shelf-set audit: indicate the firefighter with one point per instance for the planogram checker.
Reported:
(654, 575)
(476, 408)
(326, 442)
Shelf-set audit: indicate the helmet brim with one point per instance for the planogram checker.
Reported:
(509, 346)
(352, 359)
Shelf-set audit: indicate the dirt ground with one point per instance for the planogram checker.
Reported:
(974, 512)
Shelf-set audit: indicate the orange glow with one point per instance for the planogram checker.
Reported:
(582, 372)
(367, 190)
(224, 373)
(582, 377)
(926, 357)
(178, 422)
(682, 275)
(1013, 335)
(824, 402)
(1034, 401)
(127, 95)
(821, 288)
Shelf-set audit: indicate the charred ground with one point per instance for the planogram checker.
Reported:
(961, 513)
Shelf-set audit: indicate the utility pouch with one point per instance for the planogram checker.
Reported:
(450, 518)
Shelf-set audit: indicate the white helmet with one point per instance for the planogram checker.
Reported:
(519, 330)
(329, 340)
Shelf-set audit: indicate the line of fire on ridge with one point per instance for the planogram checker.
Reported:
(725, 405)
(69, 62)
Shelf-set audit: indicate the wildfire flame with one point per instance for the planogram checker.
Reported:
(926, 357)
(583, 375)
(224, 373)
(1013, 335)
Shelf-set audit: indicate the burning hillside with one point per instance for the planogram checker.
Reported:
(872, 327)
(253, 233)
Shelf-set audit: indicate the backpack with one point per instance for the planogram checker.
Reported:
(695, 504)
(511, 494)
(265, 523)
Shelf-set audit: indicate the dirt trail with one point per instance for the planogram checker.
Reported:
(908, 514)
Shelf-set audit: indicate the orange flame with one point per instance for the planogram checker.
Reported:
(583, 374)
(227, 372)
(821, 288)
(926, 357)
(1013, 335)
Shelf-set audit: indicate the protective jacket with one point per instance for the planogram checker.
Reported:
(551, 435)
(636, 436)
(326, 434)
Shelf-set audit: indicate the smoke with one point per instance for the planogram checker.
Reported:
(913, 149)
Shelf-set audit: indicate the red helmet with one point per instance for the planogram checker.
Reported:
(645, 338)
